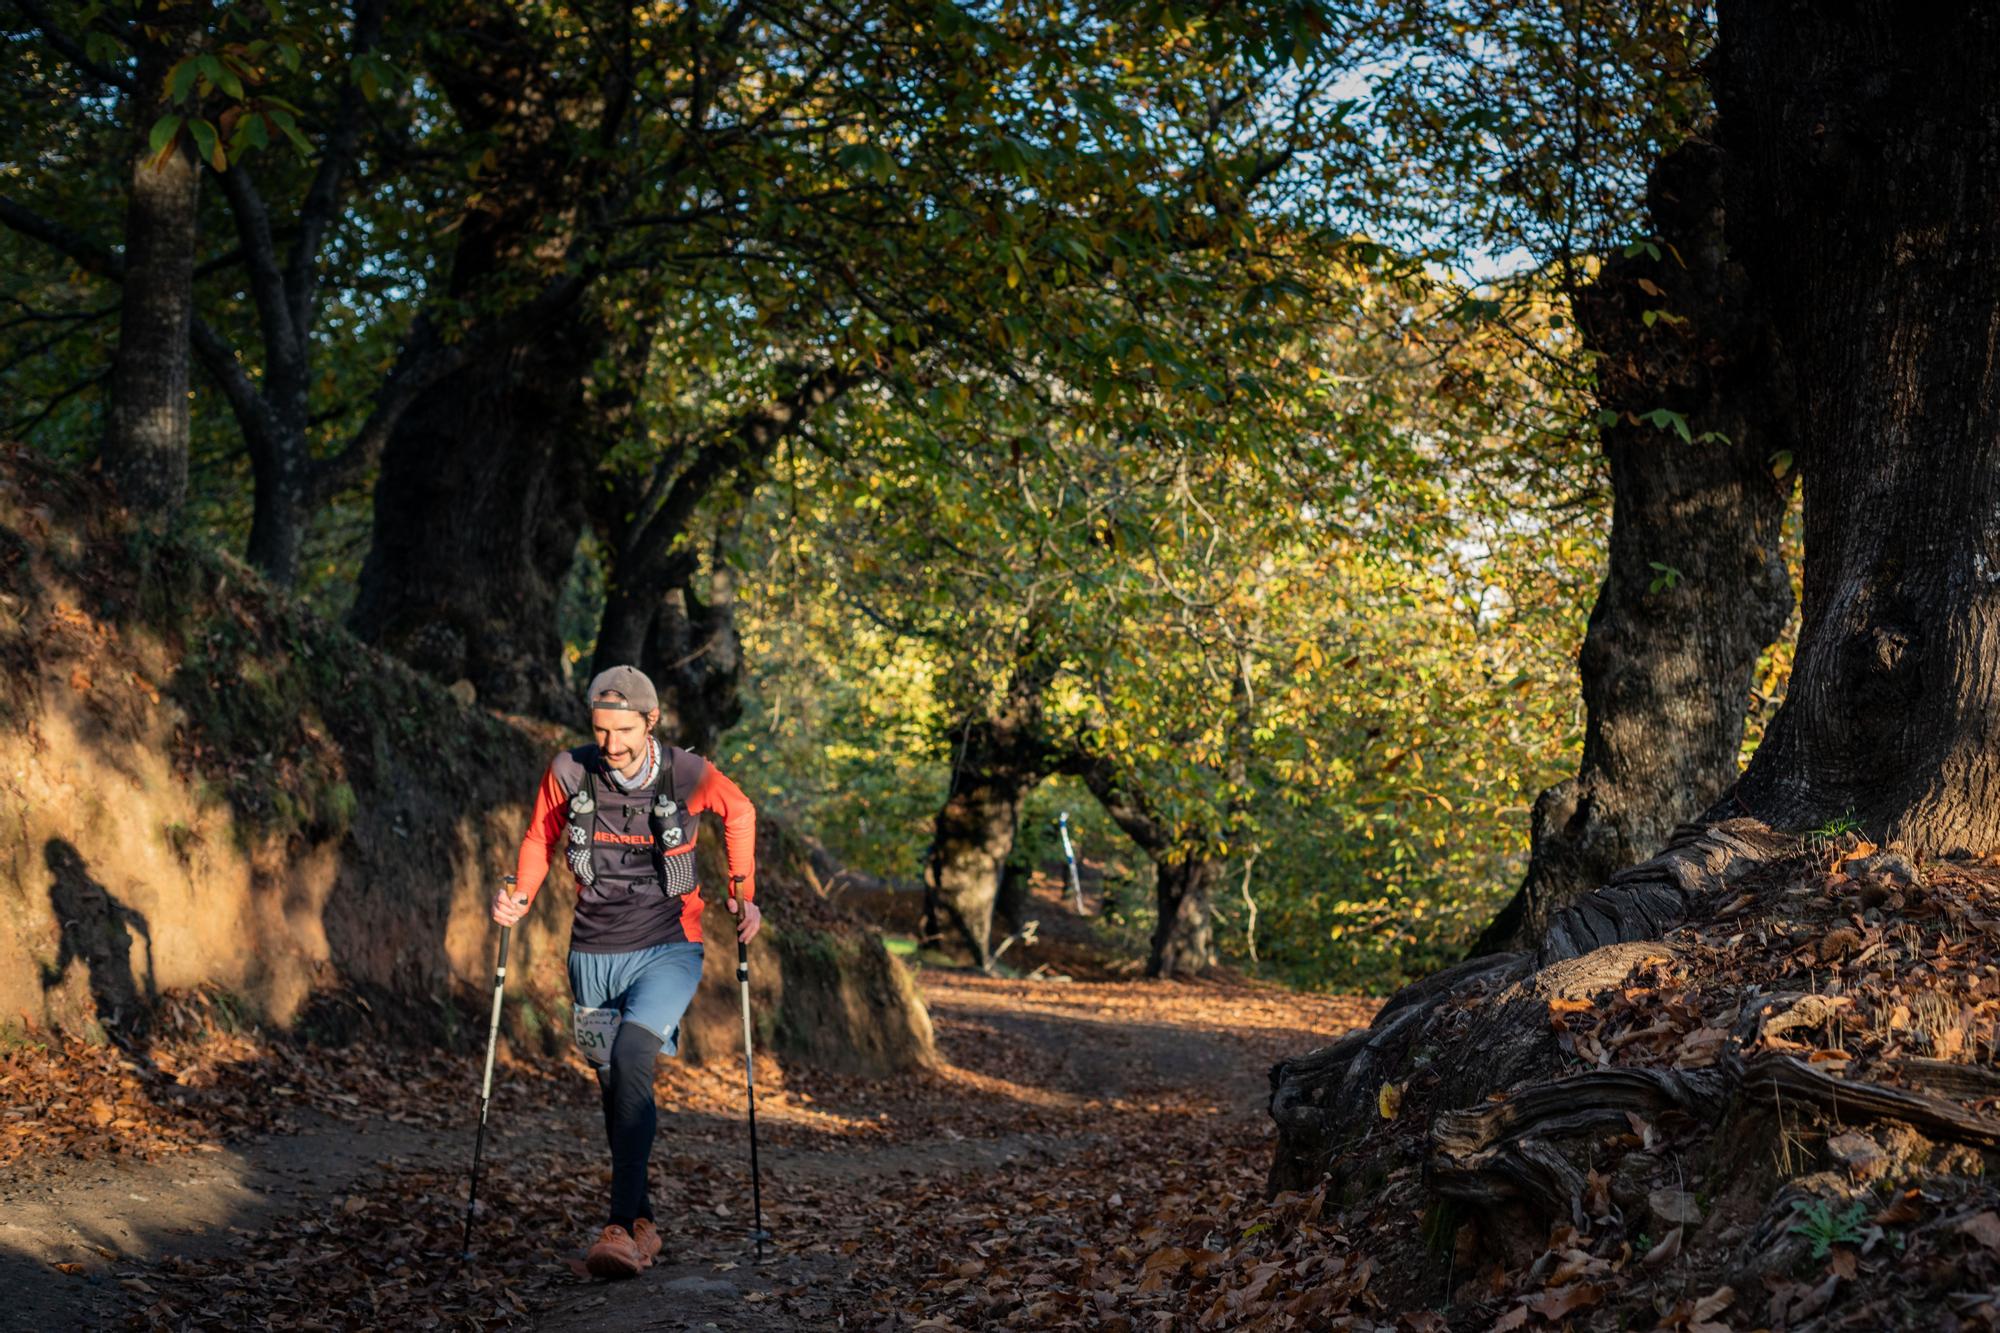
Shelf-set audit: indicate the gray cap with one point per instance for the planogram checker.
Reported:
(638, 693)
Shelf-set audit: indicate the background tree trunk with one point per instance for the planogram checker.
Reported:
(973, 837)
(1696, 585)
(686, 642)
(1889, 314)
(999, 760)
(1011, 905)
(694, 654)
(279, 517)
(146, 435)
(655, 612)
(1184, 873)
(1184, 938)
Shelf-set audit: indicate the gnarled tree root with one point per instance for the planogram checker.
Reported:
(1326, 1099)
(1505, 1152)
(1645, 901)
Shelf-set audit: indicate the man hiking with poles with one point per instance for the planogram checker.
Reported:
(624, 814)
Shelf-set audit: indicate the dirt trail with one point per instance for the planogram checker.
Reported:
(1051, 1099)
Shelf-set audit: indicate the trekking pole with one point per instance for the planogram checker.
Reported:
(757, 1232)
(486, 1086)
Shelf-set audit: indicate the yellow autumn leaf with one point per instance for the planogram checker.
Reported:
(1389, 1101)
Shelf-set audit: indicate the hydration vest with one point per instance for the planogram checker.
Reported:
(607, 850)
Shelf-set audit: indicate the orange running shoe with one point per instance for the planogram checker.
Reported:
(647, 1237)
(615, 1255)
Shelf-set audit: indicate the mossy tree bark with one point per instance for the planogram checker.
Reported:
(1696, 585)
(145, 446)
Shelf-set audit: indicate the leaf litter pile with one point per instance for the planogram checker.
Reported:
(1833, 1026)
(197, 1082)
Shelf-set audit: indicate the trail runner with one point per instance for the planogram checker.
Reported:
(623, 814)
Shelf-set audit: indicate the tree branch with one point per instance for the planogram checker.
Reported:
(749, 438)
(322, 201)
(1121, 800)
(253, 414)
(420, 363)
(284, 357)
(20, 429)
(93, 255)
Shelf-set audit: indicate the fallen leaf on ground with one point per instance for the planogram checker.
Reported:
(1984, 1228)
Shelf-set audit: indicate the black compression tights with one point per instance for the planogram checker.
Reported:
(629, 1120)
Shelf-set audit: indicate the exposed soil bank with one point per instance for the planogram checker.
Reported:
(202, 785)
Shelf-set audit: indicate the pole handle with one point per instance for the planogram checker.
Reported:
(742, 945)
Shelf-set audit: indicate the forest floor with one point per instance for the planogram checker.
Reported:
(1085, 1154)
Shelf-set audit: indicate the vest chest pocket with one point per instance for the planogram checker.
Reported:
(679, 872)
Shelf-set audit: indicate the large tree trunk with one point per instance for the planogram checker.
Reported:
(1864, 204)
(478, 510)
(973, 837)
(480, 500)
(996, 763)
(146, 435)
(1696, 585)
(1866, 208)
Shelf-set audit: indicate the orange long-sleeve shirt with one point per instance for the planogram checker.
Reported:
(547, 829)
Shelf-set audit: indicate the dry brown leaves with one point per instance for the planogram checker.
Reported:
(1890, 974)
(1072, 1163)
(1868, 969)
(1152, 1215)
(193, 1085)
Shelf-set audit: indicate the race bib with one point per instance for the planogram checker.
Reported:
(595, 1030)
